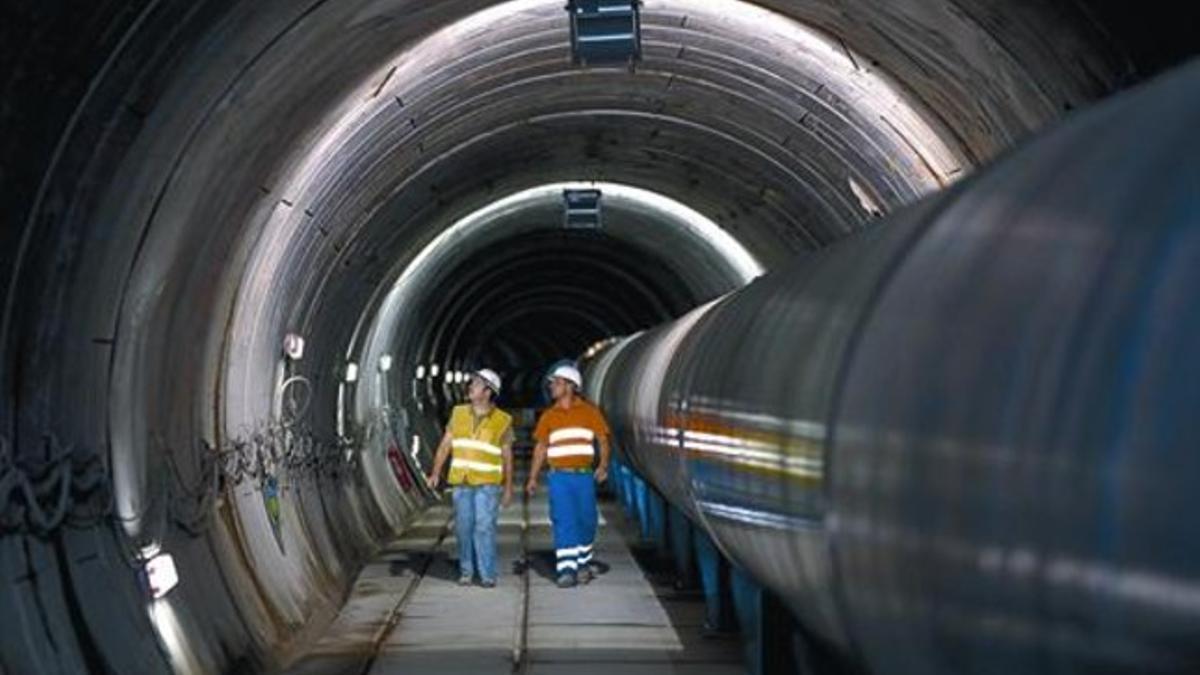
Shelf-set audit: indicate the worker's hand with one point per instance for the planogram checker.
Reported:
(433, 480)
(601, 474)
(531, 487)
(507, 498)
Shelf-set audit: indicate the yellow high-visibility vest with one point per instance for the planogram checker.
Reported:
(477, 458)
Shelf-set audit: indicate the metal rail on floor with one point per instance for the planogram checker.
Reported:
(398, 610)
(521, 632)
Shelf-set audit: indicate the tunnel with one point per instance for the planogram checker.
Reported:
(254, 248)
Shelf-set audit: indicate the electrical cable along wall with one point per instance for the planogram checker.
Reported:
(960, 441)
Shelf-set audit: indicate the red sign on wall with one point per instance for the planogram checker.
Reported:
(400, 468)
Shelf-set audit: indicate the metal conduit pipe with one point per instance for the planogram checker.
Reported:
(963, 440)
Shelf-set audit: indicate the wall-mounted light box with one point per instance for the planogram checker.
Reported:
(158, 575)
(605, 31)
(293, 346)
(581, 209)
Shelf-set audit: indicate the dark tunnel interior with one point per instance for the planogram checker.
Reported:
(185, 184)
(548, 295)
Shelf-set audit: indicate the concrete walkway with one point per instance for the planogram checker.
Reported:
(407, 613)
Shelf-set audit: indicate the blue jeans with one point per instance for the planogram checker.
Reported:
(476, 510)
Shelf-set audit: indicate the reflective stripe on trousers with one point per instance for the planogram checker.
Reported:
(573, 517)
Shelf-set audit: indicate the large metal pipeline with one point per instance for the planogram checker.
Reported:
(964, 440)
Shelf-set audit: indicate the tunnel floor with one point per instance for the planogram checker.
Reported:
(407, 612)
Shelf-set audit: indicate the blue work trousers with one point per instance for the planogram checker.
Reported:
(573, 517)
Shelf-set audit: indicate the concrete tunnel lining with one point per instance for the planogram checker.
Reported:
(213, 156)
(379, 115)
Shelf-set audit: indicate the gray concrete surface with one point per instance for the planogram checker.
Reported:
(621, 620)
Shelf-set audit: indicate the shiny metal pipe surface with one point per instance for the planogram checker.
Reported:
(966, 439)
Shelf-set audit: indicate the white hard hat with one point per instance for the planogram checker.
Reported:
(490, 378)
(568, 372)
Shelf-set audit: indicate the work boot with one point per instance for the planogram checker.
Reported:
(565, 580)
(585, 575)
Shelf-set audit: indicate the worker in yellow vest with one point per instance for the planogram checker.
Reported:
(478, 442)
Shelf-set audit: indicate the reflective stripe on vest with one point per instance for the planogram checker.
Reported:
(571, 448)
(477, 458)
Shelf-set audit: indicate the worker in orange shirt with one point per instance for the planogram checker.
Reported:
(567, 435)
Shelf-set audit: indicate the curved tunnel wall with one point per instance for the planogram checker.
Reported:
(525, 292)
(957, 442)
(208, 176)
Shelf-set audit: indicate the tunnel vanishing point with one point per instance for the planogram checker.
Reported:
(893, 303)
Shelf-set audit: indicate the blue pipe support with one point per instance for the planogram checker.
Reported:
(709, 562)
(656, 517)
(748, 607)
(643, 517)
(679, 531)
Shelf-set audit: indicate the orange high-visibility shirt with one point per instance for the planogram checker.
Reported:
(570, 434)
